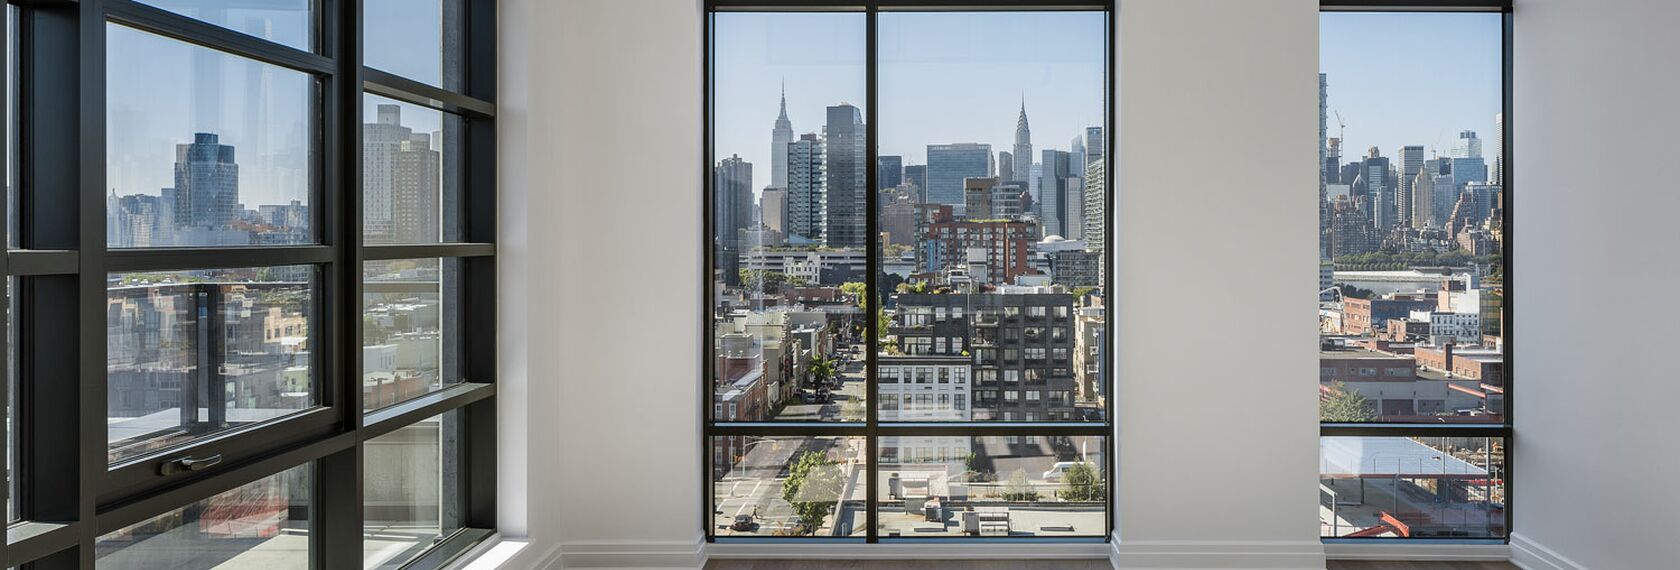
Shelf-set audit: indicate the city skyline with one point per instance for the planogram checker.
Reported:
(162, 91)
(1377, 91)
(820, 58)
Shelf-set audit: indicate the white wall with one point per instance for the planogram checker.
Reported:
(1595, 113)
(600, 392)
(594, 94)
(1217, 233)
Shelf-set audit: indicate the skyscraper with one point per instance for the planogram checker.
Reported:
(732, 210)
(1411, 163)
(1467, 145)
(1006, 166)
(780, 137)
(732, 201)
(1053, 193)
(949, 164)
(1076, 152)
(889, 171)
(1378, 190)
(917, 174)
(1095, 147)
(1423, 196)
(206, 183)
(1096, 205)
(846, 190)
(1022, 168)
(401, 172)
(772, 209)
(806, 204)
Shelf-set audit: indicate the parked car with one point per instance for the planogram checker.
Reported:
(1060, 469)
(743, 523)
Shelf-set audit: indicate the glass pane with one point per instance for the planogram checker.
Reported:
(11, 400)
(287, 22)
(1411, 275)
(205, 148)
(992, 271)
(12, 141)
(411, 173)
(789, 246)
(409, 491)
(788, 486)
(194, 353)
(409, 343)
(417, 39)
(264, 524)
(992, 486)
(1411, 487)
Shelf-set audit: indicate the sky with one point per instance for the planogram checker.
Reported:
(944, 78)
(161, 91)
(1411, 79)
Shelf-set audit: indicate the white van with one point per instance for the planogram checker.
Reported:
(1059, 469)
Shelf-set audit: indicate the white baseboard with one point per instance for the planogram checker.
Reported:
(921, 550)
(1530, 555)
(549, 560)
(632, 554)
(1196, 554)
(1423, 551)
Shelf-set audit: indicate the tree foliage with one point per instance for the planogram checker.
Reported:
(1018, 488)
(812, 487)
(768, 281)
(822, 368)
(1345, 405)
(1081, 483)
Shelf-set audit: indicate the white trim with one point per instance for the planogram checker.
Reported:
(633, 554)
(931, 549)
(1424, 550)
(1186, 554)
(1530, 555)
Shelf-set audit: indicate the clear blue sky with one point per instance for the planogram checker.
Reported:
(944, 78)
(1411, 79)
(161, 91)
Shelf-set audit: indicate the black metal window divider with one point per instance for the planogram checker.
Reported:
(69, 491)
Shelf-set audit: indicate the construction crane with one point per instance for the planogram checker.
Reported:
(1341, 128)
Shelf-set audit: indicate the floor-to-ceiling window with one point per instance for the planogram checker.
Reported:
(908, 214)
(243, 238)
(1414, 344)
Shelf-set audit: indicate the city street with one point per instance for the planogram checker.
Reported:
(848, 398)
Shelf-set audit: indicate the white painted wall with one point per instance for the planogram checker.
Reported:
(600, 427)
(599, 356)
(1595, 113)
(1218, 442)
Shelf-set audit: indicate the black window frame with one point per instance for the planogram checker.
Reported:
(1504, 429)
(872, 430)
(69, 494)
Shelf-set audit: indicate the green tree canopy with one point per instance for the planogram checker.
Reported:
(1345, 405)
(812, 488)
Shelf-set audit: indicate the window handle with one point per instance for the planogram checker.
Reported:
(188, 464)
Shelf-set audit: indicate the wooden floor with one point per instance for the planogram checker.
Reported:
(1048, 565)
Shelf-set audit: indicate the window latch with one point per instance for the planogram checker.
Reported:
(188, 464)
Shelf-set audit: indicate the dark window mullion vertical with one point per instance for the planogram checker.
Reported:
(1110, 345)
(478, 346)
(53, 419)
(872, 293)
(1505, 305)
(91, 236)
(707, 269)
(336, 529)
